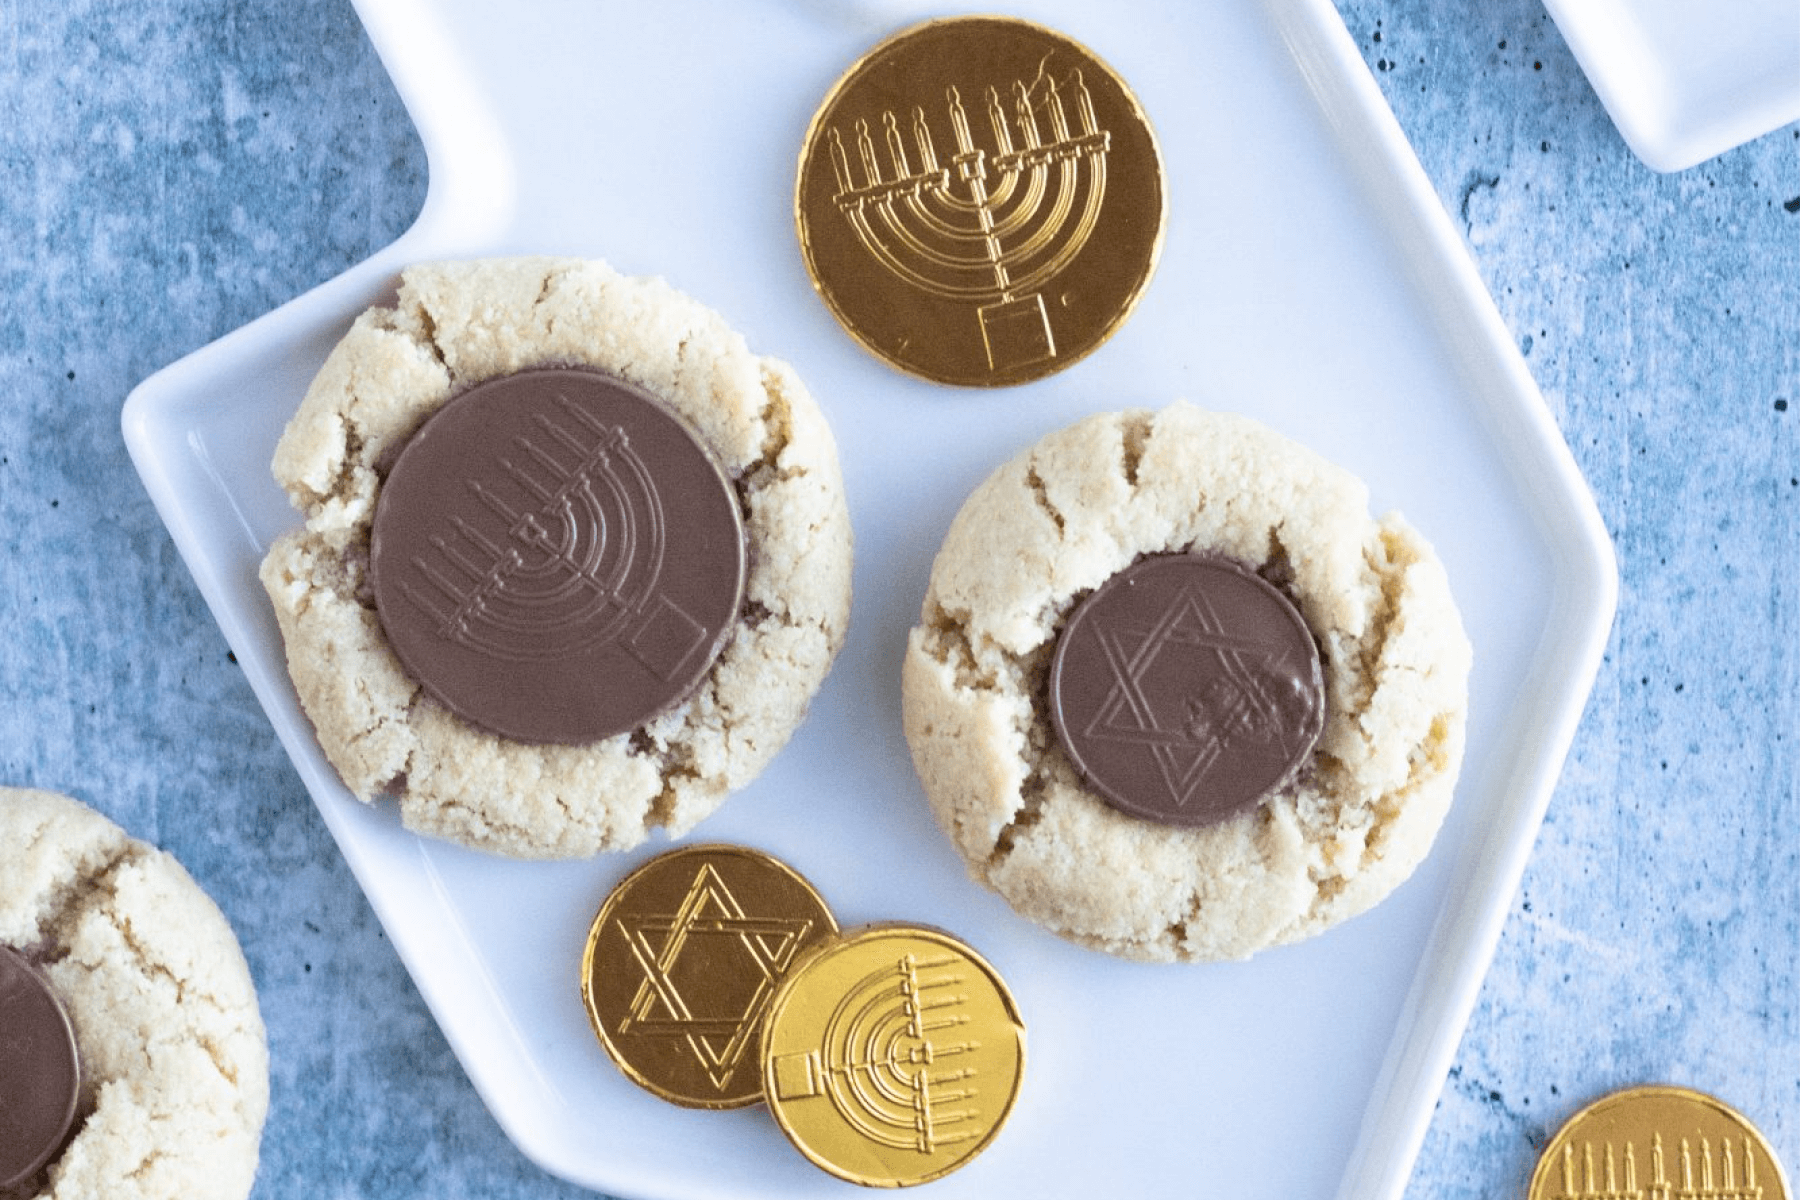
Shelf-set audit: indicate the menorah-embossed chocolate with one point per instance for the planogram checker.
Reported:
(606, 606)
(556, 556)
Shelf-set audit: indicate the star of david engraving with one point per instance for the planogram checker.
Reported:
(664, 1007)
(1190, 692)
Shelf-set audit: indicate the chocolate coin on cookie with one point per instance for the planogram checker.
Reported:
(40, 1071)
(576, 563)
(1657, 1141)
(1178, 678)
(557, 557)
(682, 961)
(1186, 688)
(893, 1055)
(980, 201)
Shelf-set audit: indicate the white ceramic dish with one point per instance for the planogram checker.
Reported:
(1685, 81)
(1309, 278)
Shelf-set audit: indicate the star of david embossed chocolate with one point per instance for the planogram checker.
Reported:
(557, 557)
(40, 1071)
(892, 1055)
(1186, 688)
(1658, 1142)
(682, 962)
(980, 201)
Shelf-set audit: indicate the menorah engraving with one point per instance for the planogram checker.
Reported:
(993, 226)
(569, 558)
(881, 1052)
(1605, 1181)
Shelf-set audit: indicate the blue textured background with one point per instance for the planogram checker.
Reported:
(171, 169)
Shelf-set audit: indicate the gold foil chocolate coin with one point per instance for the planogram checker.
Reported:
(682, 962)
(892, 1055)
(980, 201)
(1658, 1143)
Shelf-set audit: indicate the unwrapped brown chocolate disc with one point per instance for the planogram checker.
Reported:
(40, 1071)
(1186, 688)
(557, 557)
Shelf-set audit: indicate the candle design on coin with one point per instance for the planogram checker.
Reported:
(885, 1063)
(892, 1056)
(991, 228)
(556, 556)
(573, 569)
(980, 201)
(1656, 1142)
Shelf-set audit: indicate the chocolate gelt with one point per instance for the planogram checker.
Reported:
(40, 1071)
(980, 201)
(682, 962)
(1185, 688)
(557, 557)
(1658, 1143)
(892, 1055)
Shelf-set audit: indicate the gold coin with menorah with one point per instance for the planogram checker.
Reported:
(1657, 1142)
(980, 201)
(892, 1055)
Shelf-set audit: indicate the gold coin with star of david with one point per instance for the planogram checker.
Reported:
(1658, 1142)
(892, 1055)
(682, 961)
(980, 201)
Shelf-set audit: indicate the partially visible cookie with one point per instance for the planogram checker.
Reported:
(457, 325)
(174, 1059)
(1060, 520)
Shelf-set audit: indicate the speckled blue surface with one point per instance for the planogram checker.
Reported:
(172, 170)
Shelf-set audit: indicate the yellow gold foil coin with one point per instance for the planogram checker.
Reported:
(892, 1056)
(682, 962)
(1658, 1143)
(980, 201)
